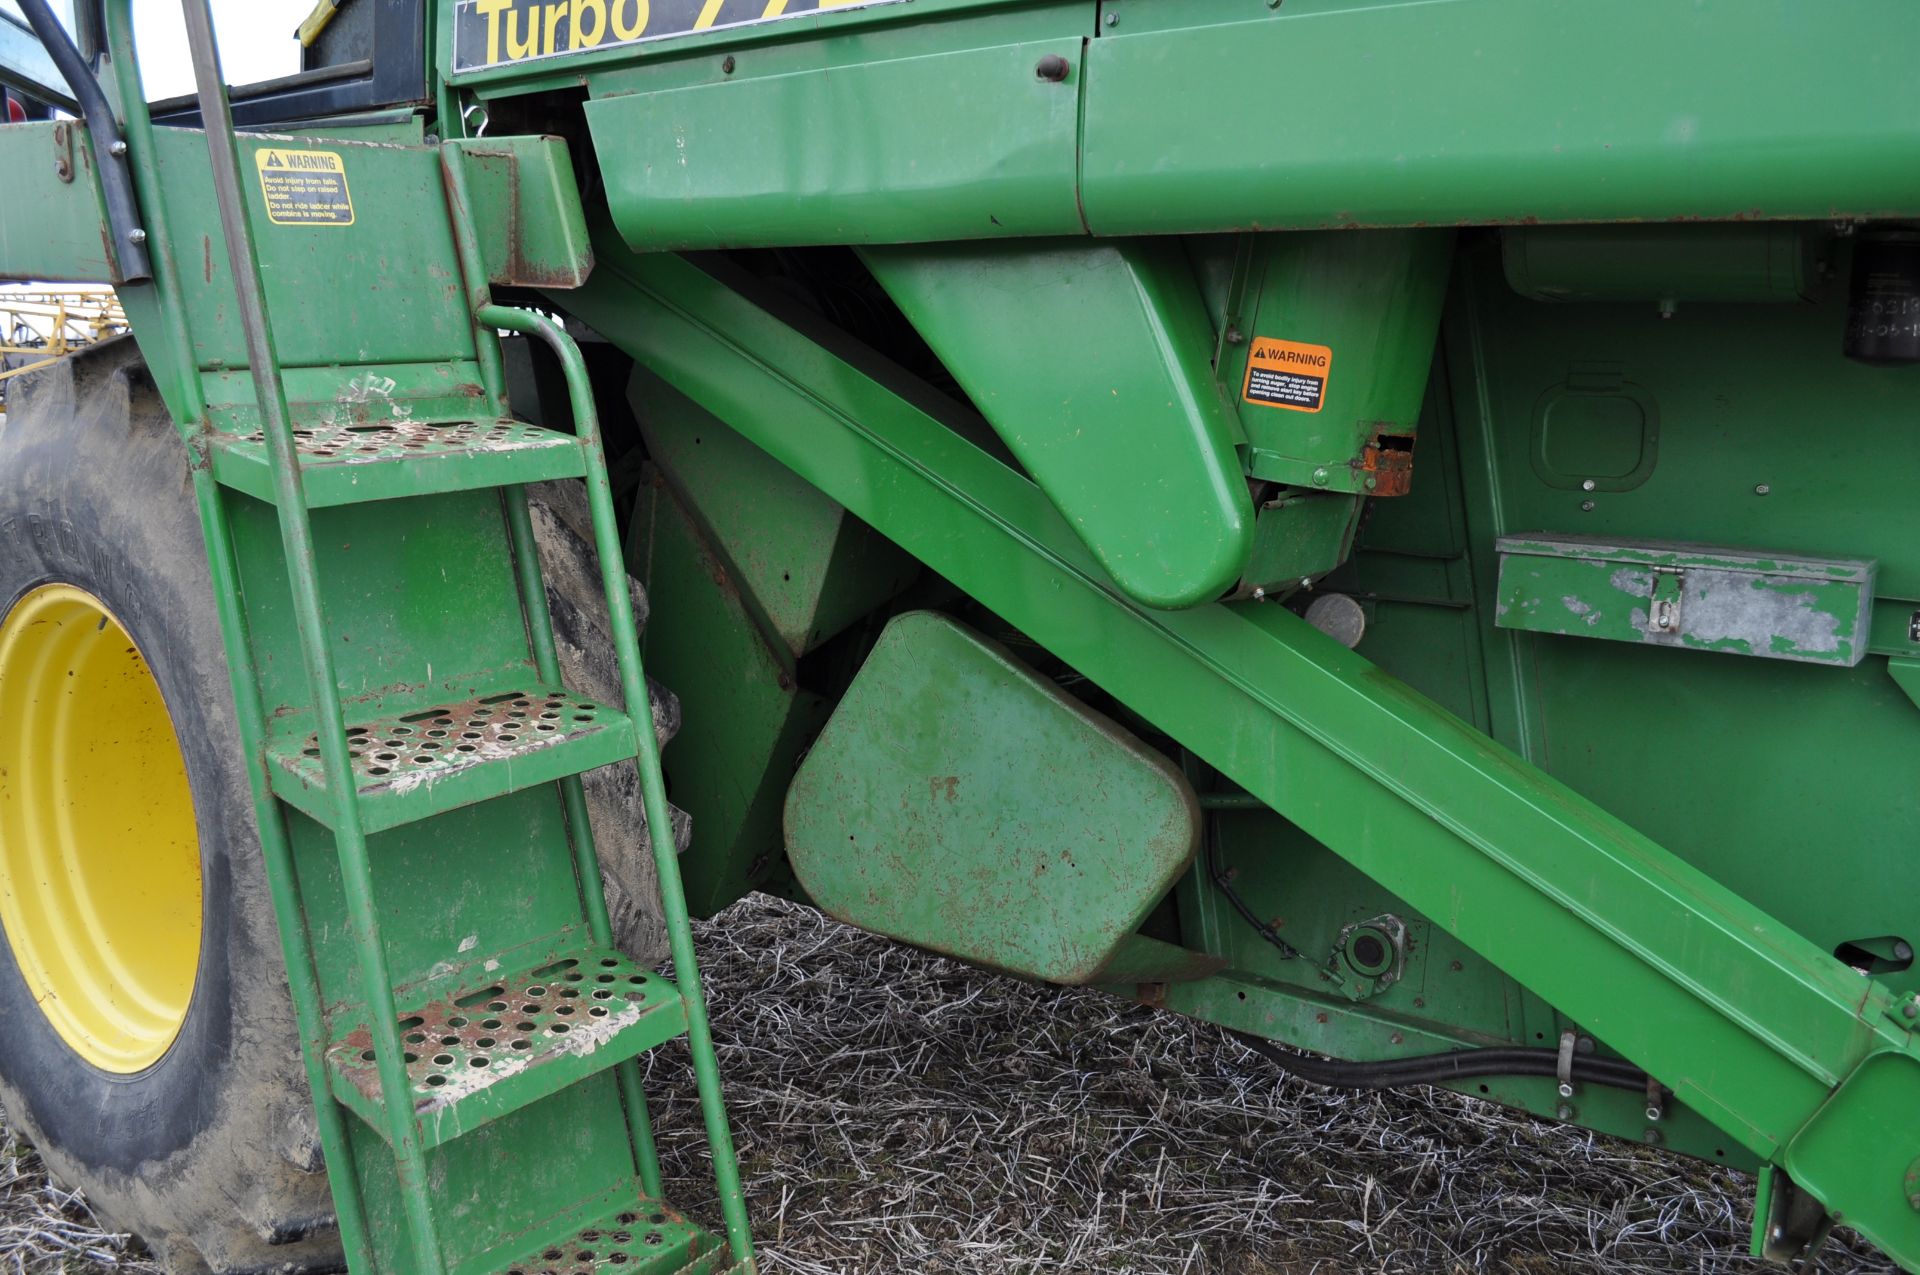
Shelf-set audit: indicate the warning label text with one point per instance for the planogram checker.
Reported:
(1288, 374)
(304, 188)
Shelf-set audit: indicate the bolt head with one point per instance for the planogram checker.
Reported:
(1234, 335)
(1651, 1137)
(1655, 1114)
(118, 148)
(1761, 489)
(1113, 19)
(1566, 1091)
(1588, 484)
(1910, 1010)
(136, 236)
(1320, 477)
(1587, 506)
(1564, 1111)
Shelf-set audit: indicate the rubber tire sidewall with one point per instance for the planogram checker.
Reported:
(209, 1154)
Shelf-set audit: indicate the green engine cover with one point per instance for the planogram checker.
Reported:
(961, 803)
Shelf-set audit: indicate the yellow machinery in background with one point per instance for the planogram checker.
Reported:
(40, 326)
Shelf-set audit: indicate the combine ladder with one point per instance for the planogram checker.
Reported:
(479, 1105)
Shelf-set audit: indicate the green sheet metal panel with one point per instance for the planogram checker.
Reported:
(958, 801)
(1338, 338)
(799, 564)
(857, 148)
(360, 267)
(1243, 114)
(53, 220)
(1701, 597)
(1093, 363)
(1768, 437)
(526, 210)
(745, 719)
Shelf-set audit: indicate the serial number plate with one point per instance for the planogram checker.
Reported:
(489, 33)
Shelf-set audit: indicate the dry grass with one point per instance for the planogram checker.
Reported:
(900, 1114)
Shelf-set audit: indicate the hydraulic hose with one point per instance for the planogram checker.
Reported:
(109, 150)
(1439, 1069)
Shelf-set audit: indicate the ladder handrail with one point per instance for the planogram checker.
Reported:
(639, 705)
(296, 535)
(296, 941)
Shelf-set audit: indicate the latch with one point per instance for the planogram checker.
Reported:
(1663, 608)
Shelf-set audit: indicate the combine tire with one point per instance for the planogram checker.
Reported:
(147, 1043)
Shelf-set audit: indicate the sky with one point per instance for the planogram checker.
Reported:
(256, 40)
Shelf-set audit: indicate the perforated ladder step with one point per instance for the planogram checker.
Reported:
(477, 1054)
(647, 1237)
(343, 464)
(428, 761)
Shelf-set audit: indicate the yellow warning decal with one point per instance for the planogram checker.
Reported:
(304, 188)
(1289, 374)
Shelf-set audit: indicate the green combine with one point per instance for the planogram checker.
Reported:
(1386, 527)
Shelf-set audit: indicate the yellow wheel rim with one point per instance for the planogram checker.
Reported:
(99, 853)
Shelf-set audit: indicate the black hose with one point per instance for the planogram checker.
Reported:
(109, 151)
(1438, 1069)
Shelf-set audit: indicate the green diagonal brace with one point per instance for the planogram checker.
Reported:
(1745, 1020)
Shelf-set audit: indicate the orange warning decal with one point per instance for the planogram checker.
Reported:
(1288, 374)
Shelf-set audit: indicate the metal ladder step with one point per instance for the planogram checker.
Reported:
(480, 1052)
(644, 1237)
(357, 462)
(427, 761)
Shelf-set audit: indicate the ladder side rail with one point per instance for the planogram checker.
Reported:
(296, 943)
(539, 621)
(726, 1169)
(297, 541)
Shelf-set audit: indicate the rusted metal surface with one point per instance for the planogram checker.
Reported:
(357, 441)
(458, 1046)
(401, 754)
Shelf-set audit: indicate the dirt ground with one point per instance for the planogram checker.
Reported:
(900, 1114)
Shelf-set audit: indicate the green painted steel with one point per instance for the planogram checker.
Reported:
(1425, 804)
(1298, 536)
(777, 151)
(526, 210)
(960, 802)
(1328, 340)
(1603, 397)
(1667, 265)
(1691, 596)
(1490, 111)
(55, 224)
(820, 130)
(1092, 363)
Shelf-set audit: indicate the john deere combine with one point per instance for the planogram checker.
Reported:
(1388, 527)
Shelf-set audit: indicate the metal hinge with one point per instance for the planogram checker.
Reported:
(1663, 607)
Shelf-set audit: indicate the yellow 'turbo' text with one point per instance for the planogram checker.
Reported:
(516, 31)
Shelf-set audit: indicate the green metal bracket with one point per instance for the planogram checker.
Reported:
(525, 210)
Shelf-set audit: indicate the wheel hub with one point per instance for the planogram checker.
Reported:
(99, 851)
